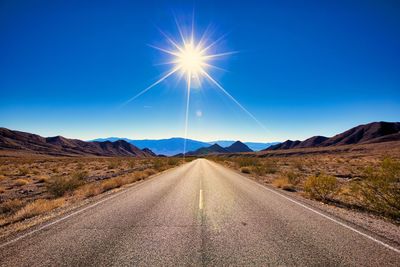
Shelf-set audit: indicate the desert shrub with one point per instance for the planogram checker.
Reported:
(293, 177)
(245, 170)
(11, 206)
(270, 166)
(173, 161)
(89, 190)
(42, 178)
(380, 190)
(23, 171)
(283, 182)
(158, 164)
(150, 172)
(21, 182)
(298, 164)
(113, 164)
(258, 170)
(37, 207)
(321, 187)
(59, 185)
(247, 161)
(2, 189)
(132, 164)
(112, 183)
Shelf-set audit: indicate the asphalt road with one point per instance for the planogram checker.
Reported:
(198, 214)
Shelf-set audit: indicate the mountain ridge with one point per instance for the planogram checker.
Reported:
(373, 132)
(61, 146)
(173, 146)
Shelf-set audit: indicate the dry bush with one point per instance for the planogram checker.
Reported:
(245, 170)
(132, 164)
(111, 184)
(150, 172)
(283, 183)
(321, 187)
(293, 177)
(113, 164)
(247, 161)
(158, 164)
(298, 164)
(42, 178)
(89, 190)
(22, 171)
(380, 190)
(38, 207)
(11, 206)
(21, 182)
(2, 189)
(270, 166)
(173, 161)
(59, 185)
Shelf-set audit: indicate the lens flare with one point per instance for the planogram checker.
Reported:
(192, 60)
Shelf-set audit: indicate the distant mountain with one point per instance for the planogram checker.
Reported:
(374, 132)
(174, 146)
(168, 147)
(255, 146)
(238, 147)
(213, 149)
(58, 145)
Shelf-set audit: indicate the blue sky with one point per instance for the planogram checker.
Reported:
(303, 68)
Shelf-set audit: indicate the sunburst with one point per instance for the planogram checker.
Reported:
(192, 59)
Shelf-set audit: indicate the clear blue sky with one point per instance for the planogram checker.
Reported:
(304, 68)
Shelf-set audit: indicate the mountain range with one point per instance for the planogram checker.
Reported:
(174, 146)
(374, 132)
(61, 146)
(236, 147)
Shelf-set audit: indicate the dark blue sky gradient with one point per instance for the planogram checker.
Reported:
(303, 68)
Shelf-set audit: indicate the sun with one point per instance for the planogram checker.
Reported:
(193, 59)
(190, 60)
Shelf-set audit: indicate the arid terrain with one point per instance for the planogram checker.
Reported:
(32, 185)
(361, 177)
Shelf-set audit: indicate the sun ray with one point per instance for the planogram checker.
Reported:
(219, 55)
(190, 60)
(171, 41)
(233, 99)
(152, 85)
(205, 49)
(187, 111)
(180, 31)
(214, 67)
(173, 53)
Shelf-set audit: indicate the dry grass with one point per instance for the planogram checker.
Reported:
(360, 177)
(245, 170)
(283, 183)
(59, 181)
(21, 182)
(11, 206)
(37, 207)
(321, 187)
(23, 171)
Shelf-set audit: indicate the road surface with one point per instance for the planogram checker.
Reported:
(199, 214)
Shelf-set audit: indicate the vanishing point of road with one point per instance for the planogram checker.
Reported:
(198, 214)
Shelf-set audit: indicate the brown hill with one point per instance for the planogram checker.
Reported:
(374, 132)
(213, 149)
(238, 147)
(58, 145)
(365, 134)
